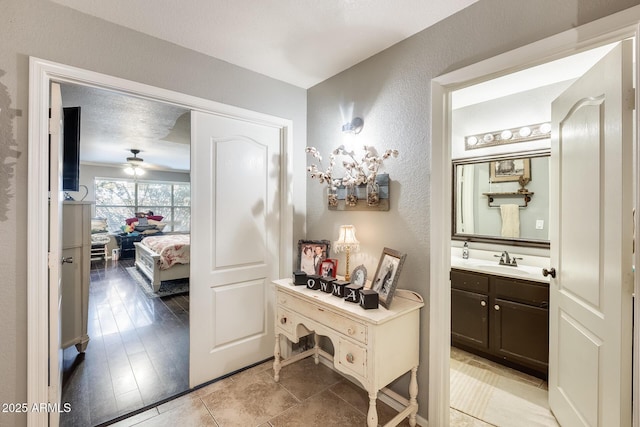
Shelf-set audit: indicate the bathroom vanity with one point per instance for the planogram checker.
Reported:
(501, 317)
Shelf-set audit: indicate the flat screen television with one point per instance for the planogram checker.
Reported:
(71, 149)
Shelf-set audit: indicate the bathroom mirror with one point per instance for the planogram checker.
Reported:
(502, 200)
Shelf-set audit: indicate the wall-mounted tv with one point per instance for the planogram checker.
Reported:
(71, 153)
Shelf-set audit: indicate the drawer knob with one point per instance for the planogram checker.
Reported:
(351, 331)
(283, 320)
(483, 303)
(349, 357)
(496, 307)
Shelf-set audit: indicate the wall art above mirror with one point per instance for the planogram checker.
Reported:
(502, 199)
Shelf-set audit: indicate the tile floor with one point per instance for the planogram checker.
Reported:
(307, 395)
(484, 393)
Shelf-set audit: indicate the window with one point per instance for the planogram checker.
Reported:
(119, 199)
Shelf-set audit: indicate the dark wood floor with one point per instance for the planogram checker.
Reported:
(138, 353)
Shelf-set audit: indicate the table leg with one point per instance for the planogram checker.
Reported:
(413, 395)
(372, 415)
(276, 359)
(316, 347)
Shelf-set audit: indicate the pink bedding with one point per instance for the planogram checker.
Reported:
(172, 248)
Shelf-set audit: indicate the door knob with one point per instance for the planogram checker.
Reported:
(551, 272)
(67, 260)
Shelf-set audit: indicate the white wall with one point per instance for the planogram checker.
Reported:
(49, 31)
(391, 92)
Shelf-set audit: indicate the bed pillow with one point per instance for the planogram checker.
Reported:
(98, 225)
(159, 225)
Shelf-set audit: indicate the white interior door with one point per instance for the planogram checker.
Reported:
(55, 250)
(234, 253)
(591, 250)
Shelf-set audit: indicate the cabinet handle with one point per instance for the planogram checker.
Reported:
(67, 260)
(349, 357)
(483, 303)
(551, 272)
(350, 331)
(283, 320)
(496, 307)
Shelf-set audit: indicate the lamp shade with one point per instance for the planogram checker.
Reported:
(347, 239)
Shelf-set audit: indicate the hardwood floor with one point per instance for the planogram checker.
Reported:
(138, 353)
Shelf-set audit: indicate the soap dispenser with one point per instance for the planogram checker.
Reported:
(465, 251)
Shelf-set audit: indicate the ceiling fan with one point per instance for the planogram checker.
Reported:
(133, 167)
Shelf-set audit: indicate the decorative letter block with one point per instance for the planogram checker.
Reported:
(352, 293)
(299, 278)
(340, 288)
(313, 282)
(368, 299)
(326, 284)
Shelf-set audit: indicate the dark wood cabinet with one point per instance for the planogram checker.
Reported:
(502, 319)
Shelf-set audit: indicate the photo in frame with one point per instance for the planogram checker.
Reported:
(387, 274)
(311, 253)
(359, 276)
(509, 170)
(329, 267)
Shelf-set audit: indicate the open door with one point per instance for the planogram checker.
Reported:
(234, 254)
(55, 251)
(591, 251)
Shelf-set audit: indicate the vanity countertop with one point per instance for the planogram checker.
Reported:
(525, 272)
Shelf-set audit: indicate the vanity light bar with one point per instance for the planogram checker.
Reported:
(508, 136)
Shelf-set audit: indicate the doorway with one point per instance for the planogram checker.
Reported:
(42, 74)
(138, 349)
(619, 27)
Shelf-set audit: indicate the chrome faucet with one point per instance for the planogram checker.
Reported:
(505, 259)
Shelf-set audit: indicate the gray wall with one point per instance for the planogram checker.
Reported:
(50, 31)
(391, 92)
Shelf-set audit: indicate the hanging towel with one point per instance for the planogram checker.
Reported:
(510, 220)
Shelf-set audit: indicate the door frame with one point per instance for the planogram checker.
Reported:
(41, 74)
(606, 30)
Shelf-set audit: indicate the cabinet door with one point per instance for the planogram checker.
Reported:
(521, 333)
(469, 318)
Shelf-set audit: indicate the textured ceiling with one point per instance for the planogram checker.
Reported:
(112, 124)
(302, 42)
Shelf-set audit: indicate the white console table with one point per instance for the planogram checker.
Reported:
(372, 346)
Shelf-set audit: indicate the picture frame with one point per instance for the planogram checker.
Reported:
(310, 262)
(359, 276)
(508, 170)
(329, 268)
(387, 274)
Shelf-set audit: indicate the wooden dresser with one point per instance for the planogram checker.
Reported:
(372, 346)
(76, 250)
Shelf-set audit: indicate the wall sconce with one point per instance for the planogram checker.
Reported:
(347, 242)
(508, 136)
(354, 126)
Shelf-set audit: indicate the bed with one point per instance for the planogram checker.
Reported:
(164, 257)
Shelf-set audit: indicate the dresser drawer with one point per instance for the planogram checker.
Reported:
(335, 321)
(352, 357)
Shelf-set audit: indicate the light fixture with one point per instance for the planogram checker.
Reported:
(133, 167)
(354, 126)
(508, 136)
(347, 242)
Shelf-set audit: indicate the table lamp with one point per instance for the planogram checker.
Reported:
(347, 242)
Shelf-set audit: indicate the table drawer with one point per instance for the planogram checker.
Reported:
(284, 320)
(339, 323)
(352, 357)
